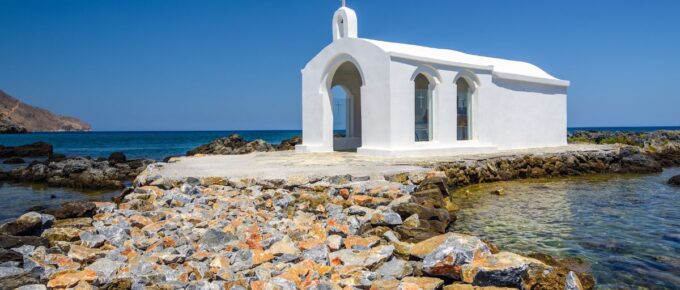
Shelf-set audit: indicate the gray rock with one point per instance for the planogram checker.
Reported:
(10, 271)
(675, 180)
(366, 258)
(106, 269)
(318, 254)
(394, 269)
(215, 240)
(91, 240)
(442, 254)
(32, 287)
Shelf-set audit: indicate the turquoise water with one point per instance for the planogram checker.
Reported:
(152, 145)
(626, 227)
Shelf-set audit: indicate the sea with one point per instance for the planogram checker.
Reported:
(626, 227)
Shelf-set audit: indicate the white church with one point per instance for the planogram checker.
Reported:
(408, 100)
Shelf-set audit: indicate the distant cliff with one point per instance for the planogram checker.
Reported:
(17, 117)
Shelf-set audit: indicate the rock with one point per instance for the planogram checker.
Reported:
(117, 157)
(675, 180)
(37, 149)
(9, 242)
(10, 256)
(284, 246)
(118, 284)
(6, 271)
(215, 240)
(8, 126)
(78, 223)
(446, 255)
(562, 268)
(91, 240)
(32, 287)
(84, 254)
(16, 281)
(71, 278)
(105, 269)
(61, 234)
(289, 144)
(504, 269)
(27, 224)
(74, 209)
(232, 145)
(14, 160)
(424, 283)
(395, 269)
(573, 282)
(366, 258)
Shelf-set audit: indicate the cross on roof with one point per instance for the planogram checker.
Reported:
(344, 3)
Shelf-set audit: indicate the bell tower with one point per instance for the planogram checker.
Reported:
(344, 23)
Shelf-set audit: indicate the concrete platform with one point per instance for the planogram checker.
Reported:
(273, 165)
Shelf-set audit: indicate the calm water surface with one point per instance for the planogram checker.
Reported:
(626, 227)
(15, 199)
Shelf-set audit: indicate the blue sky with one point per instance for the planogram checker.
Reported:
(211, 65)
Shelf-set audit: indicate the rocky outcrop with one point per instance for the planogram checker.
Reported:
(37, 149)
(7, 126)
(235, 145)
(618, 159)
(663, 145)
(22, 117)
(81, 172)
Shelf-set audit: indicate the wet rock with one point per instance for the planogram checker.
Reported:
(27, 224)
(675, 180)
(14, 160)
(573, 282)
(37, 149)
(505, 269)
(74, 209)
(562, 268)
(445, 255)
(9, 242)
(117, 157)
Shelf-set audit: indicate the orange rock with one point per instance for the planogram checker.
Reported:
(257, 285)
(344, 192)
(169, 242)
(360, 241)
(260, 256)
(362, 200)
(70, 278)
(140, 221)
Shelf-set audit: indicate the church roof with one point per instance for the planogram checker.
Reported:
(501, 67)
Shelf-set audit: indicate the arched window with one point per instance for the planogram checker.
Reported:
(423, 109)
(464, 110)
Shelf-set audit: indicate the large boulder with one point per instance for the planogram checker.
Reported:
(37, 149)
(117, 157)
(73, 209)
(289, 144)
(505, 269)
(445, 255)
(10, 242)
(27, 224)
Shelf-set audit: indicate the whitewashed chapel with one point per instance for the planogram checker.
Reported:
(407, 100)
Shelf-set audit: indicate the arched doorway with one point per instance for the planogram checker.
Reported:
(345, 97)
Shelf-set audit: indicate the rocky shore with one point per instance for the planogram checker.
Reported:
(235, 144)
(79, 172)
(300, 233)
(662, 145)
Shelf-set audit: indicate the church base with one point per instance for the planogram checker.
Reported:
(424, 152)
